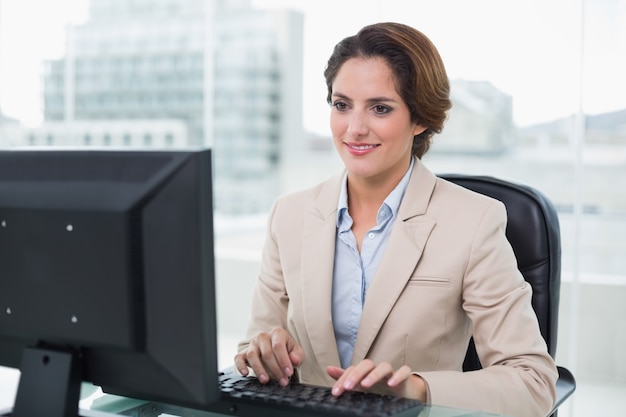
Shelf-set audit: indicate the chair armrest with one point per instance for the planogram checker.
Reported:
(565, 386)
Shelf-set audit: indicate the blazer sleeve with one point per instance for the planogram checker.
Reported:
(269, 299)
(518, 376)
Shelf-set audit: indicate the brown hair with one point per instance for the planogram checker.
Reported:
(420, 75)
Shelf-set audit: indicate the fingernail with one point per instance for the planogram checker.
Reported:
(243, 371)
(263, 378)
(336, 391)
(283, 382)
(366, 382)
(288, 372)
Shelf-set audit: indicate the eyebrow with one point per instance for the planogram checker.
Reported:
(382, 99)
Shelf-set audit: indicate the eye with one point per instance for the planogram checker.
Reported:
(340, 105)
(380, 109)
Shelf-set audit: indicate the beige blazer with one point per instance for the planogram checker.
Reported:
(448, 272)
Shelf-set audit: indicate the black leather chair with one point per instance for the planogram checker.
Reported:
(533, 231)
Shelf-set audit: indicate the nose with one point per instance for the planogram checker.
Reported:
(357, 125)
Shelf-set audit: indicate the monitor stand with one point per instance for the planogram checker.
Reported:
(49, 384)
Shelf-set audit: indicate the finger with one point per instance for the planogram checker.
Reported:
(268, 357)
(351, 377)
(296, 355)
(341, 375)
(282, 346)
(334, 372)
(355, 374)
(381, 372)
(260, 357)
(241, 364)
(254, 361)
(400, 376)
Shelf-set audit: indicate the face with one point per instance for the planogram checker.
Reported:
(371, 125)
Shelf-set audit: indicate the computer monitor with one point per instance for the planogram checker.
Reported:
(107, 276)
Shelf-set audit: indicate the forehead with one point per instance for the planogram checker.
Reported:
(365, 76)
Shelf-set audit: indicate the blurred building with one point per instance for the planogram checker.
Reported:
(136, 133)
(479, 122)
(231, 73)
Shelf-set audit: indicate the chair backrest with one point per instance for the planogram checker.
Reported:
(534, 233)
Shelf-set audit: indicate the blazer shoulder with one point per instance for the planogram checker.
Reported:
(432, 196)
(455, 203)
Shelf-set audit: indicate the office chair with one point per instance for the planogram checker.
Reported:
(533, 231)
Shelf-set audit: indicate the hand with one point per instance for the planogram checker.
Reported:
(367, 376)
(272, 356)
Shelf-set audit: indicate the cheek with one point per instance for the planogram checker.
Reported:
(337, 126)
(396, 132)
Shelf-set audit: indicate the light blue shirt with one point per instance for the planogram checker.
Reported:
(353, 272)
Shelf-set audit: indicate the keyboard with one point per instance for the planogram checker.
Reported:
(248, 394)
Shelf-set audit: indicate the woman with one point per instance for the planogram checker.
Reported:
(377, 278)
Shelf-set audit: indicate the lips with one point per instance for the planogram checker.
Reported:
(362, 147)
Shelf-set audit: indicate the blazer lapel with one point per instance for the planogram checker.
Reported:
(318, 252)
(404, 249)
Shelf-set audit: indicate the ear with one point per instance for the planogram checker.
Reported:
(418, 130)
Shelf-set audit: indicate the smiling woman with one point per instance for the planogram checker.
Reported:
(386, 220)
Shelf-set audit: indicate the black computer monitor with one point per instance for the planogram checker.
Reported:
(107, 276)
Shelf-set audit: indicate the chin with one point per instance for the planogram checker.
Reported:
(360, 171)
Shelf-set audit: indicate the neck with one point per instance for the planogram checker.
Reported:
(369, 193)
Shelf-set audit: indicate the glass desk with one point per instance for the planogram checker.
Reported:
(110, 406)
(96, 404)
(116, 407)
